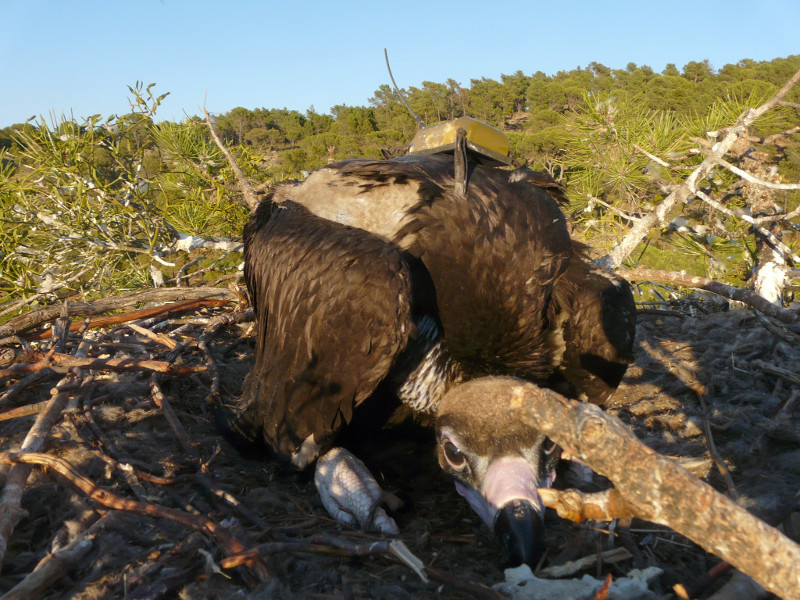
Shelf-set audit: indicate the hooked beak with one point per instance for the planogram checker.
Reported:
(510, 505)
(520, 529)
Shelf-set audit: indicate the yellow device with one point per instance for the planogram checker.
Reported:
(488, 143)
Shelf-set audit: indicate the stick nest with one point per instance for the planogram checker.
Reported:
(719, 392)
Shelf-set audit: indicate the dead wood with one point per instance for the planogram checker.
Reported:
(17, 475)
(43, 361)
(578, 506)
(45, 315)
(219, 534)
(24, 411)
(56, 564)
(688, 188)
(576, 566)
(660, 491)
(791, 377)
(171, 417)
(748, 297)
(250, 198)
(134, 315)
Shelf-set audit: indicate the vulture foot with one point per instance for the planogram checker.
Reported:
(351, 494)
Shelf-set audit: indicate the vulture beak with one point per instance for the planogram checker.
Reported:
(509, 504)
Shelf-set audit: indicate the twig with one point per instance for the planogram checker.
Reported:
(161, 338)
(136, 315)
(791, 377)
(249, 194)
(56, 564)
(32, 298)
(211, 368)
(24, 411)
(23, 384)
(125, 468)
(110, 500)
(581, 564)
(101, 305)
(755, 180)
(749, 297)
(10, 510)
(100, 364)
(174, 423)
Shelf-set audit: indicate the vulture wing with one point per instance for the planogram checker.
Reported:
(334, 308)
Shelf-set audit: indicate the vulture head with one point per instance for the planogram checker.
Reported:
(498, 462)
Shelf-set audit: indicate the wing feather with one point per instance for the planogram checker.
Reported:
(333, 306)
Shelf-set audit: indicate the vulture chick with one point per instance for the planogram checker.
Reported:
(382, 286)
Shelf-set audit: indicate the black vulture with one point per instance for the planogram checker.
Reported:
(384, 283)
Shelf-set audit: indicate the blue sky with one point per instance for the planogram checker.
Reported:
(79, 56)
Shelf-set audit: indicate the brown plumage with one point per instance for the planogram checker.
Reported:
(375, 282)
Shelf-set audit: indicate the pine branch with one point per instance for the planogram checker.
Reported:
(689, 188)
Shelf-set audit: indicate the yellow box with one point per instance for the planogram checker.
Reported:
(488, 142)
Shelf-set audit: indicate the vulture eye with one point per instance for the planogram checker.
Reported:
(453, 455)
(549, 446)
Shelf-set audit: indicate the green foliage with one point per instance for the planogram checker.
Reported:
(94, 205)
(91, 206)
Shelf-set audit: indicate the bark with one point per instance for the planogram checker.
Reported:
(749, 297)
(658, 490)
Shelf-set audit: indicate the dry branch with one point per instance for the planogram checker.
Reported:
(578, 506)
(749, 297)
(110, 500)
(169, 414)
(99, 306)
(250, 197)
(10, 509)
(688, 188)
(135, 315)
(56, 564)
(659, 490)
(43, 361)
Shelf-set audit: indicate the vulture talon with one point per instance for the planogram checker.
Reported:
(350, 493)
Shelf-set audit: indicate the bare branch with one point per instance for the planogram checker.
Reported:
(659, 490)
(747, 218)
(101, 305)
(110, 500)
(101, 364)
(249, 194)
(10, 509)
(749, 177)
(749, 297)
(684, 191)
(144, 313)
